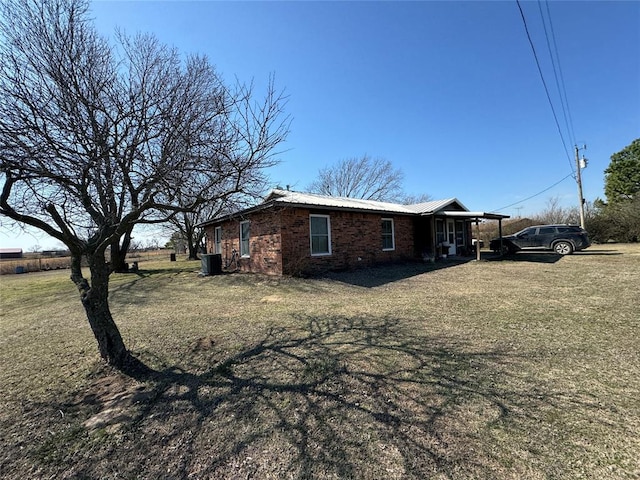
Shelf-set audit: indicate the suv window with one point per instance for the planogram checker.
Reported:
(567, 229)
(546, 231)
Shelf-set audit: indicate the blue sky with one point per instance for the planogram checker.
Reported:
(449, 92)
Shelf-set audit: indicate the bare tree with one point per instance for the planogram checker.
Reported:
(410, 199)
(556, 213)
(152, 244)
(365, 177)
(187, 224)
(96, 139)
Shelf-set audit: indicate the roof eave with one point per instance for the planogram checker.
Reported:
(239, 213)
(467, 214)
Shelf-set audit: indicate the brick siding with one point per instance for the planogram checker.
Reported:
(280, 241)
(356, 240)
(265, 254)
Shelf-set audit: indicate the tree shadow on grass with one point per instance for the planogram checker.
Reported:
(136, 287)
(362, 398)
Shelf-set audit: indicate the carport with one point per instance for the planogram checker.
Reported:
(470, 217)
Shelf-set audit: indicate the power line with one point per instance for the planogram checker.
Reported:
(544, 83)
(535, 195)
(559, 79)
(564, 91)
(563, 103)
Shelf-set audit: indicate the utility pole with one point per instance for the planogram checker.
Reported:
(579, 181)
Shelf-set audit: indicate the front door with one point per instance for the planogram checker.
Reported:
(451, 236)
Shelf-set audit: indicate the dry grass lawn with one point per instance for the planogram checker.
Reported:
(526, 367)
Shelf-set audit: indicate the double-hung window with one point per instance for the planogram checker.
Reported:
(388, 241)
(217, 240)
(320, 233)
(244, 239)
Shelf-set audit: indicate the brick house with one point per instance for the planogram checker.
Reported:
(292, 233)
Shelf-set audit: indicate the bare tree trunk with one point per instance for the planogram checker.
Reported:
(188, 231)
(193, 252)
(94, 298)
(193, 248)
(119, 253)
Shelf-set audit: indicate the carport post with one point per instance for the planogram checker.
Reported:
(477, 239)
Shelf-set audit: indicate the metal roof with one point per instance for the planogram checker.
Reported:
(435, 206)
(286, 197)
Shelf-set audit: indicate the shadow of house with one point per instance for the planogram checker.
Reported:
(378, 275)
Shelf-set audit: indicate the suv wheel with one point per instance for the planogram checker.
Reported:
(563, 248)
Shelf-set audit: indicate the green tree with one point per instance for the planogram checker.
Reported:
(618, 222)
(618, 219)
(622, 176)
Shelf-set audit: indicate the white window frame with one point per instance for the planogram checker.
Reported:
(311, 236)
(244, 254)
(393, 235)
(217, 240)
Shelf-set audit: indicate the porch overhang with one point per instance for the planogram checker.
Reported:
(475, 216)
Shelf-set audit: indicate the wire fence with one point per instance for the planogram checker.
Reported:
(37, 263)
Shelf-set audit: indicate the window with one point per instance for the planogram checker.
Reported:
(320, 234)
(388, 242)
(244, 239)
(440, 237)
(547, 231)
(460, 233)
(217, 240)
